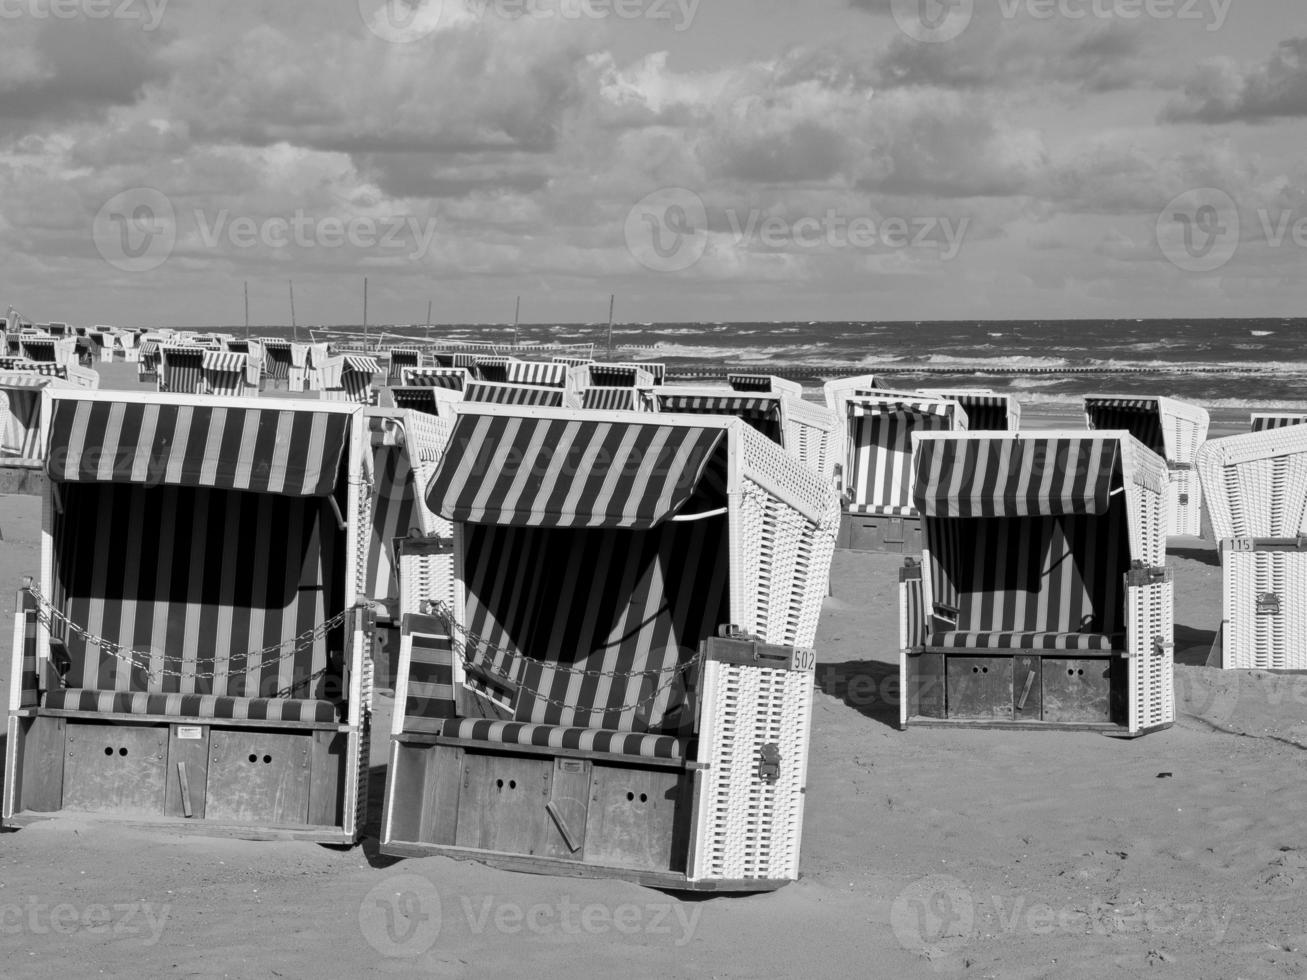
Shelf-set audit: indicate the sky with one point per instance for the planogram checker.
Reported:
(701, 160)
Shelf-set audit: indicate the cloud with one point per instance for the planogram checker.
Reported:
(1221, 91)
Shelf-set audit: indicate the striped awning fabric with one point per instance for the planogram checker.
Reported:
(615, 400)
(868, 404)
(1005, 477)
(1270, 421)
(513, 394)
(216, 360)
(537, 373)
(362, 364)
(416, 397)
(422, 377)
(530, 472)
(149, 348)
(1123, 404)
(619, 376)
(25, 379)
(749, 382)
(296, 453)
(1141, 417)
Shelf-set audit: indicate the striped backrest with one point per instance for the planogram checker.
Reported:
(401, 358)
(29, 678)
(1053, 574)
(986, 411)
(763, 413)
(1141, 417)
(38, 349)
(1268, 420)
(396, 500)
(453, 378)
(189, 577)
(629, 607)
(277, 359)
(417, 399)
(514, 394)
(429, 696)
(181, 370)
(620, 376)
(573, 361)
(491, 368)
(878, 464)
(619, 400)
(227, 373)
(537, 373)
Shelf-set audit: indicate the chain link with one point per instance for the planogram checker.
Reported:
(442, 612)
(49, 615)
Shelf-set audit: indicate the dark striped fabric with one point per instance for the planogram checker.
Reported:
(430, 698)
(37, 349)
(521, 471)
(878, 464)
(762, 414)
(1267, 421)
(1141, 417)
(1004, 477)
(394, 506)
(417, 399)
(29, 687)
(277, 359)
(181, 370)
(749, 382)
(223, 361)
(985, 413)
(20, 414)
(401, 358)
(456, 360)
(573, 361)
(455, 379)
(589, 740)
(619, 376)
(188, 577)
(1044, 578)
(537, 373)
(491, 368)
(913, 607)
(495, 393)
(618, 400)
(630, 604)
(195, 705)
(296, 453)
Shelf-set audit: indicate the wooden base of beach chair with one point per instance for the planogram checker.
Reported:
(880, 533)
(232, 778)
(22, 478)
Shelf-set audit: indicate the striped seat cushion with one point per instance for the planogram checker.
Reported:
(194, 705)
(1030, 640)
(561, 737)
(429, 699)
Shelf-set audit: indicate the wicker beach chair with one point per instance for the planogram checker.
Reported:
(987, 410)
(401, 358)
(578, 711)
(231, 373)
(619, 400)
(1174, 430)
(1041, 599)
(764, 384)
(504, 393)
(181, 369)
(453, 378)
(1261, 421)
(876, 477)
(193, 652)
(1256, 490)
(349, 378)
(276, 361)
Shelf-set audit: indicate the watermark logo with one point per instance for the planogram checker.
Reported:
(401, 21)
(933, 21)
(149, 13)
(1198, 231)
(135, 230)
(934, 916)
(1209, 696)
(143, 920)
(667, 231)
(1214, 12)
(401, 916)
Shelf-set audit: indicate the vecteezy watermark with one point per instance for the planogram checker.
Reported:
(119, 919)
(667, 231)
(402, 917)
(137, 230)
(934, 21)
(405, 21)
(934, 916)
(148, 12)
(1202, 229)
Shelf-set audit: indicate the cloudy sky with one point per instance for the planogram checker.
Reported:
(702, 159)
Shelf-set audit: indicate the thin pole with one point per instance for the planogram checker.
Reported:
(293, 325)
(247, 308)
(612, 299)
(517, 313)
(428, 319)
(365, 312)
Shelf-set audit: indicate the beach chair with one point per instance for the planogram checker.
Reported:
(401, 358)
(231, 373)
(987, 410)
(763, 384)
(1041, 599)
(545, 374)
(193, 653)
(276, 361)
(181, 370)
(22, 442)
(623, 686)
(876, 477)
(50, 350)
(618, 376)
(349, 378)
(1261, 421)
(1256, 490)
(1171, 428)
(456, 359)
(147, 362)
(453, 378)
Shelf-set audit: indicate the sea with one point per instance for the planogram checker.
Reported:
(1227, 365)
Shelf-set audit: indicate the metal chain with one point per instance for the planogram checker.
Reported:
(49, 615)
(442, 612)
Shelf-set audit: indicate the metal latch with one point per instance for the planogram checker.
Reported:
(1268, 604)
(769, 763)
(1183, 498)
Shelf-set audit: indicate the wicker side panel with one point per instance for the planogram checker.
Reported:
(362, 736)
(424, 577)
(1185, 502)
(1150, 611)
(1265, 609)
(1256, 484)
(747, 827)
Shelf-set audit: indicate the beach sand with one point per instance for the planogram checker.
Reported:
(926, 852)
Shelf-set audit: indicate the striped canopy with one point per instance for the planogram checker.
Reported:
(1003, 477)
(533, 472)
(215, 360)
(619, 376)
(513, 394)
(537, 373)
(361, 364)
(1263, 421)
(763, 414)
(1141, 417)
(749, 382)
(291, 452)
(618, 400)
(452, 378)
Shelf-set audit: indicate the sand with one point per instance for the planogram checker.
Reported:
(925, 852)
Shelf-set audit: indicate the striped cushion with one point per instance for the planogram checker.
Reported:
(514, 394)
(188, 576)
(430, 697)
(627, 606)
(1030, 640)
(194, 705)
(1268, 421)
(561, 737)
